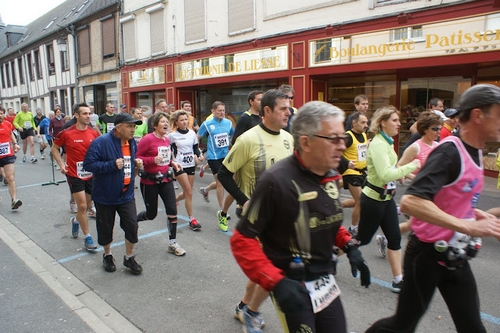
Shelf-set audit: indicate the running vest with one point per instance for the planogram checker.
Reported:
(356, 152)
(458, 198)
(423, 152)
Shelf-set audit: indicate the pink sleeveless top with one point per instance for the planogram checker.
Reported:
(458, 198)
(423, 151)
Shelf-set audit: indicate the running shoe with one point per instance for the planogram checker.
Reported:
(132, 264)
(91, 211)
(353, 231)
(238, 313)
(204, 193)
(43, 156)
(239, 211)
(176, 249)
(194, 225)
(202, 170)
(33, 159)
(251, 324)
(89, 243)
(75, 227)
(382, 245)
(176, 186)
(24, 158)
(222, 221)
(108, 262)
(16, 203)
(396, 287)
(73, 208)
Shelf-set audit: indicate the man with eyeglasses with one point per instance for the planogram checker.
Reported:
(284, 242)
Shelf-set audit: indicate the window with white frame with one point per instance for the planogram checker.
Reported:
(415, 33)
(20, 69)
(50, 59)
(7, 74)
(13, 71)
(157, 29)
(241, 16)
(195, 21)
(3, 77)
(38, 65)
(128, 24)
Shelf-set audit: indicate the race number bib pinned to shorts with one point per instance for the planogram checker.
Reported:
(221, 140)
(81, 172)
(4, 149)
(127, 167)
(27, 124)
(322, 292)
(165, 153)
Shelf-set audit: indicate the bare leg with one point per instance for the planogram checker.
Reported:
(81, 214)
(11, 179)
(394, 258)
(356, 195)
(220, 191)
(187, 192)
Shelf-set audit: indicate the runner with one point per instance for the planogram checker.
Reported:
(25, 124)
(76, 139)
(184, 145)
(8, 147)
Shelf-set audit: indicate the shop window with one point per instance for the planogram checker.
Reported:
(50, 59)
(205, 62)
(108, 36)
(241, 16)
(322, 51)
(84, 46)
(13, 70)
(38, 65)
(229, 59)
(20, 69)
(112, 93)
(157, 28)
(414, 33)
(195, 21)
(129, 39)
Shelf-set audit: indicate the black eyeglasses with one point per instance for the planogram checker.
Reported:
(333, 139)
(436, 129)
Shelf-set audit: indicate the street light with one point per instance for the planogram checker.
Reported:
(62, 45)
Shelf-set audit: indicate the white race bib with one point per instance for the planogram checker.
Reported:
(109, 127)
(127, 166)
(164, 153)
(221, 140)
(4, 149)
(362, 148)
(391, 185)
(27, 124)
(187, 159)
(80, 171)
(322, 292)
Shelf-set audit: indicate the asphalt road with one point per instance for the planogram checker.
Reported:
(51, 284)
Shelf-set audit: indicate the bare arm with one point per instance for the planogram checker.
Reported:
(408, 156)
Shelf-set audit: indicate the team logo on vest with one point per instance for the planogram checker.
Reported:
(469, 185)
(286, 144)
(332, 190)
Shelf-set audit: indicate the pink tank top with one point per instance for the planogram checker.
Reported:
(458, 198)
(423, 151)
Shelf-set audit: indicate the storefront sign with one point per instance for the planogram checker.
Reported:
(255, 61)
(471, 35)
(147, 77)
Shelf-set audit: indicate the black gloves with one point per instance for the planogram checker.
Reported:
(357, 263)
(289, 295)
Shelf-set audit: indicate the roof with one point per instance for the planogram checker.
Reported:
(54, 21)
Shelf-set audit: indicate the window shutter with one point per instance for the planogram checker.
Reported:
(84, 47)
(157, 28)
(194, 21)
(129, 40)
(108, 38)
(241, 16)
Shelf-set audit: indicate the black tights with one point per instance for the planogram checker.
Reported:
(423, 274)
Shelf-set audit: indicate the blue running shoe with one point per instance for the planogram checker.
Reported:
(252, 324)
(89, 243)
(75, 227)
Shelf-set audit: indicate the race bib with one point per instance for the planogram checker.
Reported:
(27, 124)
(322, 292)
(109, 127)
(362, 148)
(80, 171)
(164, 153)
(127, 166)
(137, 138)
(4, 149)
(391, 185)
(221, 140)
(186, 158)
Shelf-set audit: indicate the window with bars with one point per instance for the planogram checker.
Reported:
(13, 71)
(38, 65)
(84, 46)
(50, 59)
(30, 67)
(129, 40)
(194, 21)
(20, 69)
(108, 37)
(415, 33)
(157, 28)
(7, 74)
(241, 16)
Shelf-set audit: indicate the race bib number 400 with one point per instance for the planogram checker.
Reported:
(221, 140)
(322, 292)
